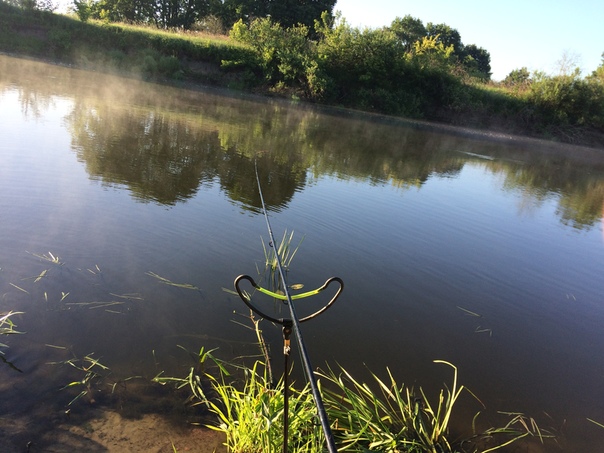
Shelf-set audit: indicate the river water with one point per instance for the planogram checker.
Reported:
(480, 250)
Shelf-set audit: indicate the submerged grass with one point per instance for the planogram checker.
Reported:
(168, 282)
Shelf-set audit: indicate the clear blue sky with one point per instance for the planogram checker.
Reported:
(517, 33)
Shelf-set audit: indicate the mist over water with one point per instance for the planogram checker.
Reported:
(484, 253)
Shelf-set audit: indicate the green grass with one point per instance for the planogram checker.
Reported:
(252, 417)
(127, 49)
(379, 416)
(382, 417)
(7, 325)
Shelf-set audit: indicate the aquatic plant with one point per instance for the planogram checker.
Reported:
(396, 418)
(285, 250)
(385, 416)
(399, 420)
(252, 417)
(7, 327)
(193, 379)
(92, 370)
(93, 376)
(168, 282)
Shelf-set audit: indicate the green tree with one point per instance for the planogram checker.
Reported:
(285, 54)
(299, 12)
(431, 53)
(83, 9)
(598, 74)
(40, 5)
(568, 102)
(287, 13)
(518, 77)
(477, 61)
(409, 30)
(446, 35)
(355, 58)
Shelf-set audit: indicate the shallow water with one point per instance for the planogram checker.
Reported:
(485, 253)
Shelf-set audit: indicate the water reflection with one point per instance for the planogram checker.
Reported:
(164, 144)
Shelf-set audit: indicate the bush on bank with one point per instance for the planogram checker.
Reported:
(332, 63)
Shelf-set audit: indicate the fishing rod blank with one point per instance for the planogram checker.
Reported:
(294, 325)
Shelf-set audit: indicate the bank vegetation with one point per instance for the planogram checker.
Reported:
(407, 69)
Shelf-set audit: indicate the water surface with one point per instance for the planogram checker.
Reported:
(485, 253)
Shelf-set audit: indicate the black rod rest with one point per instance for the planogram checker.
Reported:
(281, 321)
(288, 327)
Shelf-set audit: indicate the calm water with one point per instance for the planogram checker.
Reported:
(121, 179)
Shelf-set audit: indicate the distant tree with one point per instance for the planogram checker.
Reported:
(447, 35)
(83, 9)
(40, 5)
(287, 13)
(231, 11)
(163, 13)
(180, 13)
(598, 74)
(518, 77)
(409, 30)
(430, 53)
(477, 60)
(569, 63)
(298, 12)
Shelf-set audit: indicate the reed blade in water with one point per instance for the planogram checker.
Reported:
(165, 281)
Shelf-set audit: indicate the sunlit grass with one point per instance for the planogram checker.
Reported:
(50, 257)
(285, 250)
(252, 417)
(7, 325)
(596, 423)
(382, 415)
(398, 419)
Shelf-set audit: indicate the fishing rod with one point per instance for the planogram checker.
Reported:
(290, 325)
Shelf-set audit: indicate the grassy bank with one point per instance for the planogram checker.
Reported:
(126, 49)
(336, 69)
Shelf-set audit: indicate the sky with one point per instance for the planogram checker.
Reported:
(536, 34)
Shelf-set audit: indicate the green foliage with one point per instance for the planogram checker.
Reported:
(597, 76)
(399, 420)
(358, 67)
(7, 325)
(405, 69)
(518, 78)
(431, 53)
(446, 35)
(472, 59)
(60, 41)
(285, 55)
(287, 13)
(90, 371)
(31, 5)
(477, 61)
(83, 9)
(408, 30)
(567, 101)
(193, 379)
(252, 418)
(385, 416)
